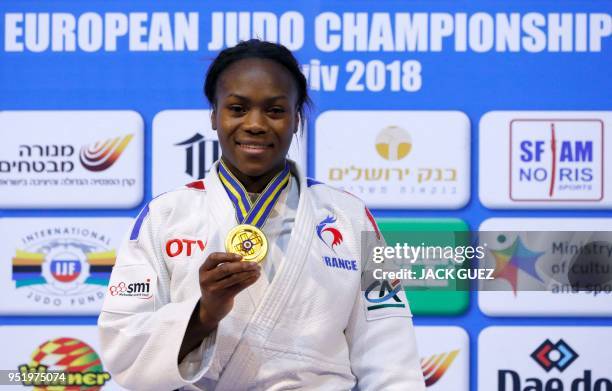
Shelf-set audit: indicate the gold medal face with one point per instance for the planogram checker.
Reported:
(247, 241)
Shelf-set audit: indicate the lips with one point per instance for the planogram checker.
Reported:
(254, 145)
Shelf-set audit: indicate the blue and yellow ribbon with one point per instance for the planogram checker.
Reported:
(247, 212)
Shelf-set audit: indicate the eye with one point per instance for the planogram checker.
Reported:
(276, 110)
(236, 108)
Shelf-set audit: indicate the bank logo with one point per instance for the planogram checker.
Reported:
(200, 154)
(333, 237)
(80, 365)
(386, 291)
(70, 268)
(516, 256)
(103, 154)
(435, 366)
(393, 143)
(554, 355)
(556, 160)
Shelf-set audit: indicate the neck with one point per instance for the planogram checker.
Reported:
(254, 184)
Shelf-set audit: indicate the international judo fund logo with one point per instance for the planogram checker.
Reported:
(63, 266)
(556, 160)
(103, 154)
(78, 365)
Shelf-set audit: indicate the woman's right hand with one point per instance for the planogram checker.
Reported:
(222, 277)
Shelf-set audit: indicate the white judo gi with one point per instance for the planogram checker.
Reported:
(310, 326)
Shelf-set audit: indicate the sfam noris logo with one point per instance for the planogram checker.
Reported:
(556, 160)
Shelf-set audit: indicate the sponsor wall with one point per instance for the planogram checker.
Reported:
(440, 115)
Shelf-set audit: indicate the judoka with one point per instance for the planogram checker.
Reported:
(233, 282)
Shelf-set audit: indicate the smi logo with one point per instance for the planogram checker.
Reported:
(435, 366)
(556, 160)
(141, 290)
(554, 355)
(102, 155)
(336, 236)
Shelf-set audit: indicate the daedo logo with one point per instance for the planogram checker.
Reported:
(556, 160)
(63, 266)
(551, 355)
(141, 290)
(102, 155)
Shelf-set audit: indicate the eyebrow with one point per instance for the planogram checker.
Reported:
(268, 99)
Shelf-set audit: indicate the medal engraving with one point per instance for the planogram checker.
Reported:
(247, 241)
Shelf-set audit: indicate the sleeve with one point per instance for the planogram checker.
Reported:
(380, 333)
(140, 330)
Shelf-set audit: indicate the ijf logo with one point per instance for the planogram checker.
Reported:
(102, 155)
(556, 160)
(68, 267)
(554, 355)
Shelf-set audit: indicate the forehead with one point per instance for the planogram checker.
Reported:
(254, 78)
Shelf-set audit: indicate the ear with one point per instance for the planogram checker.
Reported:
(297, 122)
(213, 118)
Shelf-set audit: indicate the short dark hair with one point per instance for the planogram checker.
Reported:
(255, 48)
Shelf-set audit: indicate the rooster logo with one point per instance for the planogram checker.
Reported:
(336, 235)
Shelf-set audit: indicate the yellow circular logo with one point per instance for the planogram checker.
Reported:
(393, 143)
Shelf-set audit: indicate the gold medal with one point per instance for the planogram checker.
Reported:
(248, 241)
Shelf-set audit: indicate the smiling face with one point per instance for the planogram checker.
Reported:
(255, 116)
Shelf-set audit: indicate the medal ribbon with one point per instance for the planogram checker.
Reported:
(253, 213)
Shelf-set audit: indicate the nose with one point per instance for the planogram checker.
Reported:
(254, 121)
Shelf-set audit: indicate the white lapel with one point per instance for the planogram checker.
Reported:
(222, 211)
(240, 369)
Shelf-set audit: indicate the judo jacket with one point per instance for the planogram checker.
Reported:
(313, 326)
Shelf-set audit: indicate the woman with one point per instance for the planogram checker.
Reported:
(189, 304)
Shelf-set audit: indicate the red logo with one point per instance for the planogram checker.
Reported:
(176, 247)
